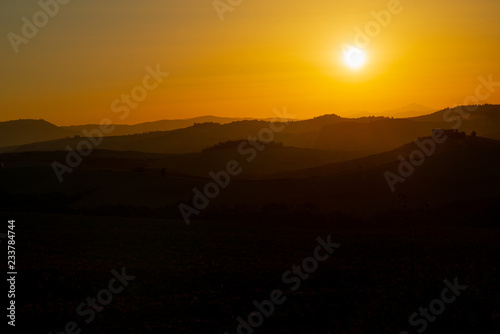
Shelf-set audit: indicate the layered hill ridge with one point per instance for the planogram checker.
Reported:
(410, 110)
(161, 125)
(367, 135)
(26, 131)
(458, 171)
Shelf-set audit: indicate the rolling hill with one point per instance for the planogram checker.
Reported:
(162, 125)
(25, 131)
(367, 135)
(460, 171)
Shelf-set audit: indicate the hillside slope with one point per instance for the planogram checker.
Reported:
(369, 135)
(27, 131)
(461, 174)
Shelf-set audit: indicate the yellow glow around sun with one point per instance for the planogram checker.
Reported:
(354, 58)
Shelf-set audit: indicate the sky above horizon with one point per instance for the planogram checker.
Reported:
(263, 55)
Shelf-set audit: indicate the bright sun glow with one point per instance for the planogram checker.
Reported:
(354, 58)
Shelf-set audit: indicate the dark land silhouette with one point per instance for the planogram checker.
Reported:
(318, 177)
(328, 132)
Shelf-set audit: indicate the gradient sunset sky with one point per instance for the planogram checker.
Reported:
(265, 54)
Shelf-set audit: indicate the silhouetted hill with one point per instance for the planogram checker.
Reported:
(385, 158)
(382, 134)
(162, 125)
(314, 124)
(188, 140)
(460, 171)
(20, 132)
(377, 135)
(367, 135)
(459, 181)
(26, 131)
(274, 159)
(411, 110)
(485, 119)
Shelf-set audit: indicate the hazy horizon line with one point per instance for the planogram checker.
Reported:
(347, 115)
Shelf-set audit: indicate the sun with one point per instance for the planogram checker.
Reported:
(354, 58)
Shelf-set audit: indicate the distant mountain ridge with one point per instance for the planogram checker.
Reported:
(25, 131)
(161, 125)
(410, 110)
(328, 132)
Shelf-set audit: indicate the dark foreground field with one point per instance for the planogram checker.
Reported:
(201, 278)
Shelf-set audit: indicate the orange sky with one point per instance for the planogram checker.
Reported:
(265, 54)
